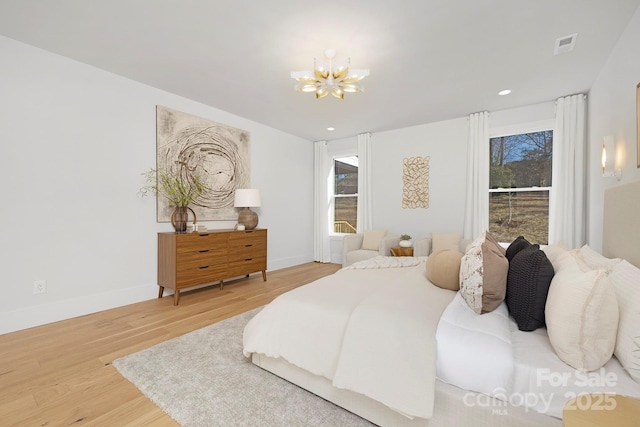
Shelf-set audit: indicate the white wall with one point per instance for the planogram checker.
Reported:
(612, 112)
(75, 140)
(446, 145)
(531, 118)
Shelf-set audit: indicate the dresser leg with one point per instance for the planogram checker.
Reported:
(161, 291)
(176, 297)
(264, 275)
(221, 284)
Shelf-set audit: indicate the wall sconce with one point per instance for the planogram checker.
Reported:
(608, 147)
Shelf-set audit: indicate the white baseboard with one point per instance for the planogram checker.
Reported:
(288, 262)
(55, 311)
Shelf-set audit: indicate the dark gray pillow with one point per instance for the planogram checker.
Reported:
(530, 274)
(516, 246)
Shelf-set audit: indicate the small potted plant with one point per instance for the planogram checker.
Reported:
(405, 241)
(181, 188)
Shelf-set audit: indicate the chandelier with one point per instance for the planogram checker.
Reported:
(329, 78)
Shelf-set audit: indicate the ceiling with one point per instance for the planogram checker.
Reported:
(430, 60)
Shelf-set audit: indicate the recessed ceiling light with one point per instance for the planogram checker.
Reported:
(330, 129)
(504, 92)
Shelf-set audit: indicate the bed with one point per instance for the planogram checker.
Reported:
(382, 342)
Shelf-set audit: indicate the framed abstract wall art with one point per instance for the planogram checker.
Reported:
(194, 145)
(415, 182)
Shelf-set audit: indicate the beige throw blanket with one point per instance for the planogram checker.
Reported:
(371, 331)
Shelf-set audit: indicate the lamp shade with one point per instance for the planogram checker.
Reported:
(247, 198)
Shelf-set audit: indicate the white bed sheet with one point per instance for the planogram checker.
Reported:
(488, 354)
(544, 383)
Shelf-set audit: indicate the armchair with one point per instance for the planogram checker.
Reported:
(352, 250)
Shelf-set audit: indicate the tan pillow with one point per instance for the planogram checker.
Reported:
(483, 274)
(443, 269)
(371, 239)
(442, 241)
(581, 314)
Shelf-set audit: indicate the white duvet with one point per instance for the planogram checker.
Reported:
(333, 327)
(487, 353)
(474, 350)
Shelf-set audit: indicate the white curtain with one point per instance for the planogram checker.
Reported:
(365, 207)
(322, 167)
(567, 204)
(476, 209)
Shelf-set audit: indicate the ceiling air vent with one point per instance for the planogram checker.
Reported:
(565, 44)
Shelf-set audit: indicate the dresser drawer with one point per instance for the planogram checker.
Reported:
(201, 241)
(251, 250)
(246, 266)
(200, 275)
(189, 260)
(250, 237)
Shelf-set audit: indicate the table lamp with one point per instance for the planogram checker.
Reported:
(245, 199)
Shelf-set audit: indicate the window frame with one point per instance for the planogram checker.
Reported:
(520, 129)
(333, 196)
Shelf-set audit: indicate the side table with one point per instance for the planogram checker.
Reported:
(401, 251)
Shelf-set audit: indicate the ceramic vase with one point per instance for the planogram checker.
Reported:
(179, 219)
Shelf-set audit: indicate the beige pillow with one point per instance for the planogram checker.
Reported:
(594, 260)
(445, 241)
(554, 252)
(483, 274)
(371, 239)
(581, 314)
(443, 269)
(626, 283)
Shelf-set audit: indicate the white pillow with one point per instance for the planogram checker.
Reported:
(626, 283)
(581, 314)
(371, 239)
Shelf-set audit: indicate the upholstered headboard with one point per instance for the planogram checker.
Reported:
(621, 228)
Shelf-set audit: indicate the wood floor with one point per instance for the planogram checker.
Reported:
(61, 374)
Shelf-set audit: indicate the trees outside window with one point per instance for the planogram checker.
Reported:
(519, 185)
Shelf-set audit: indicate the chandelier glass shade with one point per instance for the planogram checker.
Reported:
(330, 78)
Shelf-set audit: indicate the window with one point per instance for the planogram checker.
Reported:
(519, 184)
(345, 194)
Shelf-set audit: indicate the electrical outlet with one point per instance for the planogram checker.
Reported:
(39, 286)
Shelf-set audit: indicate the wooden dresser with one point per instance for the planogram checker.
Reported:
(192, 259)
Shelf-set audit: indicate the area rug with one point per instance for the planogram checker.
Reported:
(203, 379)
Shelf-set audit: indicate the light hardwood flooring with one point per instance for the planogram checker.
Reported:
(61, 374)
